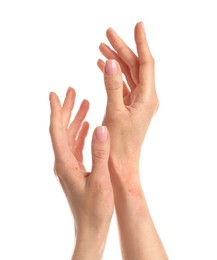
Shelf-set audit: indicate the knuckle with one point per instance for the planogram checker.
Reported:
(57, 169)
(116, 115)
(152, 60)
(99, 153)
(63, 169)
(155, 101)
(120, 49)
(152, 102)
(148, 61)
(113, 83)
(50, 130)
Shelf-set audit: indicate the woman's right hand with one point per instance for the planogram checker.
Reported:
(131, 105)
(130, 108)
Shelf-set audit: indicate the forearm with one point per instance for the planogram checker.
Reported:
(139, 238)
(89, 246)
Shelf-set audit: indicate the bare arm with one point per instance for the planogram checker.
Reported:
(89, 194)
(130, 108)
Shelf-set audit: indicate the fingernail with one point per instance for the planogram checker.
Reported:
(142, 25)
(111, 67)
(101, 133)
(50, 95)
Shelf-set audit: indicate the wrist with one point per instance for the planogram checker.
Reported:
(130, 202)
(128, 192)
(124, 163)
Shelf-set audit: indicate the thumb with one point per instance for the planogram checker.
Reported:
(114, 84)
(100, 150)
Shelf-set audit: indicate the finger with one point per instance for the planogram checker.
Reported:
(125, 53)
(77, 122)
(58, 137)
(68, 106)
(114, 85)
(80, 141)
(56, 110)
(101, 65)
(59, 142)
(55, 120)
(110, 54)
(146, 61)
(100, 151)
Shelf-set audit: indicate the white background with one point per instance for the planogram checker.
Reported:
(50, 45)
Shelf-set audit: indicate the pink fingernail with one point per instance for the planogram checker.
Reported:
(111, 67)
(101, 133)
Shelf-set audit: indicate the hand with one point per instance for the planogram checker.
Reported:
(131, 105)
(89, 195)
(130, 108)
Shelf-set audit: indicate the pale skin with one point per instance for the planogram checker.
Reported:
(89, 195)
(116, 149)
(130, 108)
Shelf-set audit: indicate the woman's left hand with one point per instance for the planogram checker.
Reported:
(90, 195)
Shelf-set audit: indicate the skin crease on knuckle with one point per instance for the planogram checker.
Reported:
(149, 103)
(113, 83)
(117, 118)
(152, 104)
(148, 61)
(100, 154)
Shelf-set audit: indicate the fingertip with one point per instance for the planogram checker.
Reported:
(111, 67)
(140, 30)
(140, 24)
(101, 45)
(104, 48)
(70, 90)
(110, 30)
(54, 101)
(50, 95)
(86, 124)
(101, 133)
(100, 64)
(85, 103)
(99, 60)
